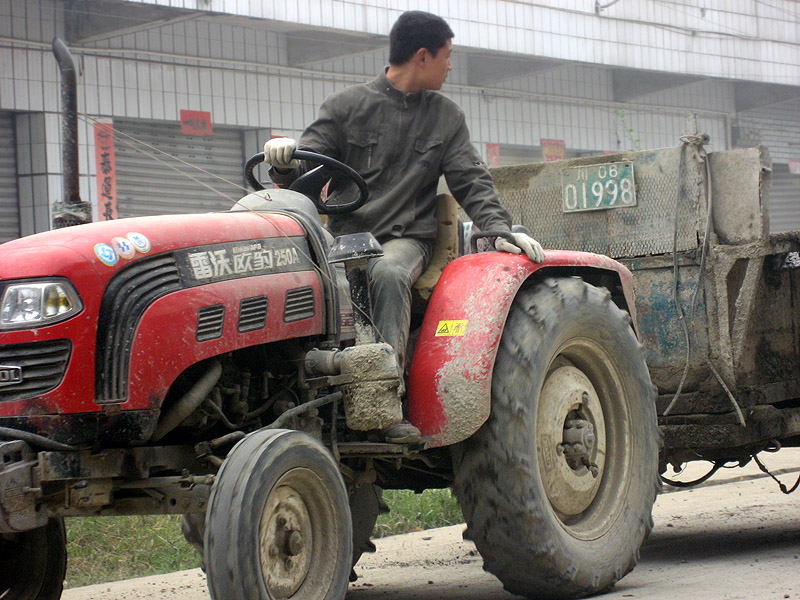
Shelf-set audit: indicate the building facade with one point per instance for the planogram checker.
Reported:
(174, 95)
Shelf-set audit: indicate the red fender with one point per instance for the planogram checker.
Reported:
(450, 384)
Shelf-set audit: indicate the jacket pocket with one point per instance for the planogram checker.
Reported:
(360, 148)
(424, 145)
(428, 157)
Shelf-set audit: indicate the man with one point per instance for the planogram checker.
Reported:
(400, 134)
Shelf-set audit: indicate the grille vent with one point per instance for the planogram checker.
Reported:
(127, 296)
(252, 313)
(299, 304)
(210, 320)
(43, 365)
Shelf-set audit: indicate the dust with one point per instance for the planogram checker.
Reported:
(373, 401)
(372, 405)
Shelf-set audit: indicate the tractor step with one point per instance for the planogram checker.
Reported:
(380, 449)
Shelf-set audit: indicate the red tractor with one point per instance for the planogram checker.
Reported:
(223, 366)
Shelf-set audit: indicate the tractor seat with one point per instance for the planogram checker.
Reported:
(445, 250)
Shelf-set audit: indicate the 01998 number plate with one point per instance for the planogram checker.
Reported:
(598, 187)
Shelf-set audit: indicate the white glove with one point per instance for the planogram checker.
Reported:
(522, 243)
(279, 151)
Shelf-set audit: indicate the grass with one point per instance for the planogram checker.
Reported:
(414, 512)
(103, 549)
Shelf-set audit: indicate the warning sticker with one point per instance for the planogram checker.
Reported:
(451, 328)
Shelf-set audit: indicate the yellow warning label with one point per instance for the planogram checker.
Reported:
(451, 328)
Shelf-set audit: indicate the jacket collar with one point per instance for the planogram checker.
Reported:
(386, 87)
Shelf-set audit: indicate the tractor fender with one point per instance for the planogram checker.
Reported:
(450, 383)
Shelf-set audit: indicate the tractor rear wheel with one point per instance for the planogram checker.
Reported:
(33, 563)
(278, 522)
(558, 485)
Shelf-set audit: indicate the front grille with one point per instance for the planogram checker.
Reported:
(299, 304)
(252, 313)
(129, 293)
(210, 320)
(42, 364)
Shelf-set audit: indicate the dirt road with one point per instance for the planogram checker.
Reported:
(737, 538)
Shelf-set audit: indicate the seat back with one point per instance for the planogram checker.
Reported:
(446, 249)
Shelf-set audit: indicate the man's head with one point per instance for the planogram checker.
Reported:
(422, 40)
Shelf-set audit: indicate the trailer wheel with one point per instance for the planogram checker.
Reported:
(33, 563)
(558, 485)
(278, 522)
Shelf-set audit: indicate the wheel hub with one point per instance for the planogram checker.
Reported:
(571, 440)
(580, 441)
(286, 541)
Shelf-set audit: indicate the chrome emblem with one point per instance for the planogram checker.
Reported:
(10, 375)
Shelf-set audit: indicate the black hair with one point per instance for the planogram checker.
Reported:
(416, 29)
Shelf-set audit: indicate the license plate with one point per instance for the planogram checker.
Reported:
(10, 375)
(598, 187)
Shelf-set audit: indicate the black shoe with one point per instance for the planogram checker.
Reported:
(402, 433)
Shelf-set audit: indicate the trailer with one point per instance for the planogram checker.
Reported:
(717, 296)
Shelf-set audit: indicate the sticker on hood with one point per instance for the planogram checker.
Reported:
(106, 254)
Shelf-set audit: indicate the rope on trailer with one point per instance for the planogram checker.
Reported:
(686, 484)
(783, 488)
(698, 141)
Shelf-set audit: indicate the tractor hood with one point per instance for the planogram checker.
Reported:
(109, 246)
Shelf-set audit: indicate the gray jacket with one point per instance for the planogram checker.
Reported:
(400, 143)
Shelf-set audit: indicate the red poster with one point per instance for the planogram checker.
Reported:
(493, 154)
(553, 149)
(196, 122)
(106, 171)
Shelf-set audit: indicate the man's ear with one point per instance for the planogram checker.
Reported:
(421, 56)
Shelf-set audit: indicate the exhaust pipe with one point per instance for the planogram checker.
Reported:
(71, 211)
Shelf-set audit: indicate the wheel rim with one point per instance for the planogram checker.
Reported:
(295, 534)
(583, 439)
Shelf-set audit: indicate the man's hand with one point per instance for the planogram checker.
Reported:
(279, 151)
(522, 243)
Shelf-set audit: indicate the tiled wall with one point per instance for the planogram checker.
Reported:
(239, 73)
(715, 38)
(783, 142)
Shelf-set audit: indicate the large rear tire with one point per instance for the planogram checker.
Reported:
(33, 563)
(558, 485)
(278, 522)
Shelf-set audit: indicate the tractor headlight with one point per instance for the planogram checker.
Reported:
(38, 303)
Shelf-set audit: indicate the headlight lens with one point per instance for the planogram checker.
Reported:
(38, 303)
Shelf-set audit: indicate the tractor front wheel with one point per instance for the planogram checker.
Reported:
(278, 522)
(558, 485)
(33, 563)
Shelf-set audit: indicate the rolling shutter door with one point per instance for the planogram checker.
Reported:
(784, 200)
(9, 198)
(146, 186)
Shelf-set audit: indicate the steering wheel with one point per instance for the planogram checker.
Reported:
(310, 184)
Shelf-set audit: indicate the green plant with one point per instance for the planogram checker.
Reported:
(635, 142)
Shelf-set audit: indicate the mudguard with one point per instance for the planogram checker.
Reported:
(451, 374)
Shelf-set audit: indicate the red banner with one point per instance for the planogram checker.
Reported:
(553, 149)
(105, 163)
(493, 155)
(196, 122)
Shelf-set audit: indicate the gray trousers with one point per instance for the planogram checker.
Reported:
(391, 278)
